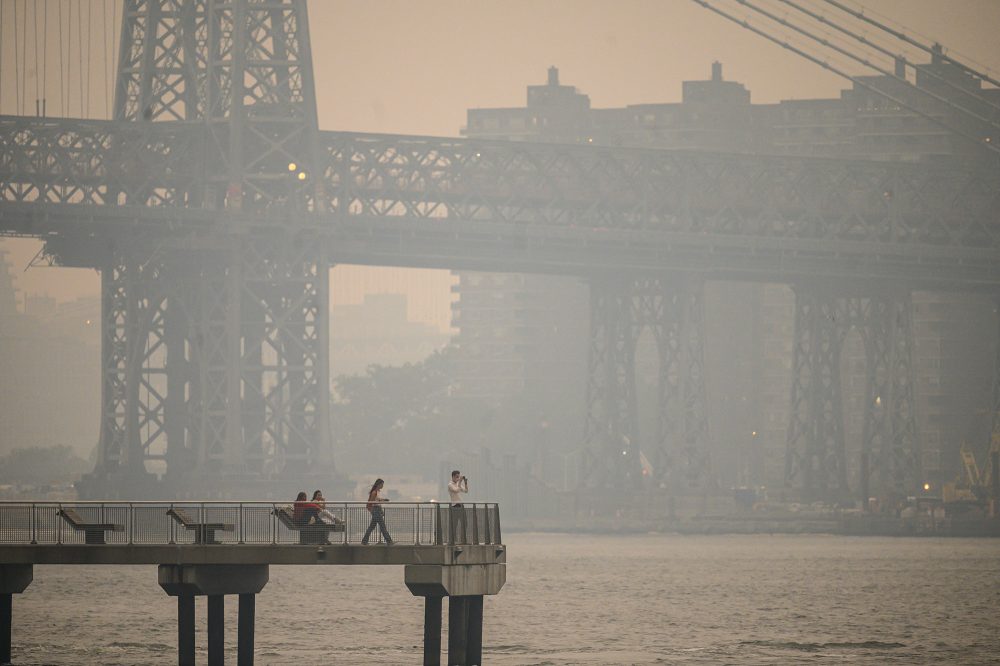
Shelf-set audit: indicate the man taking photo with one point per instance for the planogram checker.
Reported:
(458, 485)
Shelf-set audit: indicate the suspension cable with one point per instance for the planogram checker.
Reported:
(62, 96)
(79, 54)
(1, 55)
(17, 68)
(909, 40)
(45, 54)
(864, 61)
(859, 82)
(89, 63)
(34, 36)
(884, 51)
(105, 69)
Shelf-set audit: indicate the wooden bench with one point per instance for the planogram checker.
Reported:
(203, 532)
(313, 533)
(93, 533)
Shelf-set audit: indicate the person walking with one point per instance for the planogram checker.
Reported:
(456, 487)
(378, 515)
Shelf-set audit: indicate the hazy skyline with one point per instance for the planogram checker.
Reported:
(415, 68)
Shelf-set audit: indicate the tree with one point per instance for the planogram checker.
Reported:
(42, 466)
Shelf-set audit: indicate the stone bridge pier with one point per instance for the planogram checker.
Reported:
(816, 456)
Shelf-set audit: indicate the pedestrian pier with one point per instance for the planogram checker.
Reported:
(215, 549)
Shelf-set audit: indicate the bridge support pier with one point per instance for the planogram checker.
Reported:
(816, 455)
(621, 310)
(214, 581)
(14, 579)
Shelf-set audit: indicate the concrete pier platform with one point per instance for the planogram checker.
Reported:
(250, 537)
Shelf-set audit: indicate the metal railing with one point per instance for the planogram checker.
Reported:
(236, 523)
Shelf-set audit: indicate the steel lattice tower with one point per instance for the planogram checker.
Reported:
(215, 352)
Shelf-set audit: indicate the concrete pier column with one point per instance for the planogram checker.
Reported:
(464, 585)
(214, 581)
(185, 630)
(244, 651)
(6, 616)
(458, 622)
(474, 630)
(216, 630)
(432, 631)
(14, 579)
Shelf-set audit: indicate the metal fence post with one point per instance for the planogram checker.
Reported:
(496, 520)
(475, 525)
(171, 528)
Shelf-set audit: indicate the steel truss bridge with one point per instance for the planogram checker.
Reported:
(213, 207)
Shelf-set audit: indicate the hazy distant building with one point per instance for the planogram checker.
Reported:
(749, 327)
(378, 332)
(50, 365)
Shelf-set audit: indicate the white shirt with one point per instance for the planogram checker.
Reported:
(456, 487)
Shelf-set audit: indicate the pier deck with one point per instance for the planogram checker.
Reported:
(454, 552)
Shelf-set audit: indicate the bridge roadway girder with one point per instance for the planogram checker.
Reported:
(527, 207)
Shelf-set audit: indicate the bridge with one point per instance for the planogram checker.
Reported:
(213, 206)
(215, 549)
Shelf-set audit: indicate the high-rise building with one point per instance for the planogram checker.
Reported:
(750, 328)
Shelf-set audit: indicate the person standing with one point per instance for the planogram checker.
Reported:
(374, 507)
(456, 487)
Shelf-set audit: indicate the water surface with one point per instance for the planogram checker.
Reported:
(573, 599)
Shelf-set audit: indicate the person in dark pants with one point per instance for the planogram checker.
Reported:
(458, 485)
(378, 515)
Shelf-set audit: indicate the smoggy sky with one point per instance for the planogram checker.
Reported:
(415, 66)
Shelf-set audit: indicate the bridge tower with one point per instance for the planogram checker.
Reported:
(215, 347)
(672, 308)
(816, 458)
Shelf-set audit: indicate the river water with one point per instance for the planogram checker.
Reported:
(574, 599)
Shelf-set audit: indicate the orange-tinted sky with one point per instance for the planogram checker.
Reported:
(415, 66)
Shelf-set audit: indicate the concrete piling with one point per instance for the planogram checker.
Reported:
(14, 579)
(244, 649)
(216, 630)
(185, 629)
(432, 631)
(214, 581)
(6, 615)
(458, 617)
(474, 633)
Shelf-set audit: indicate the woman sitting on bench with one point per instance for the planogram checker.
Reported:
(324, 515)
(304, 512)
